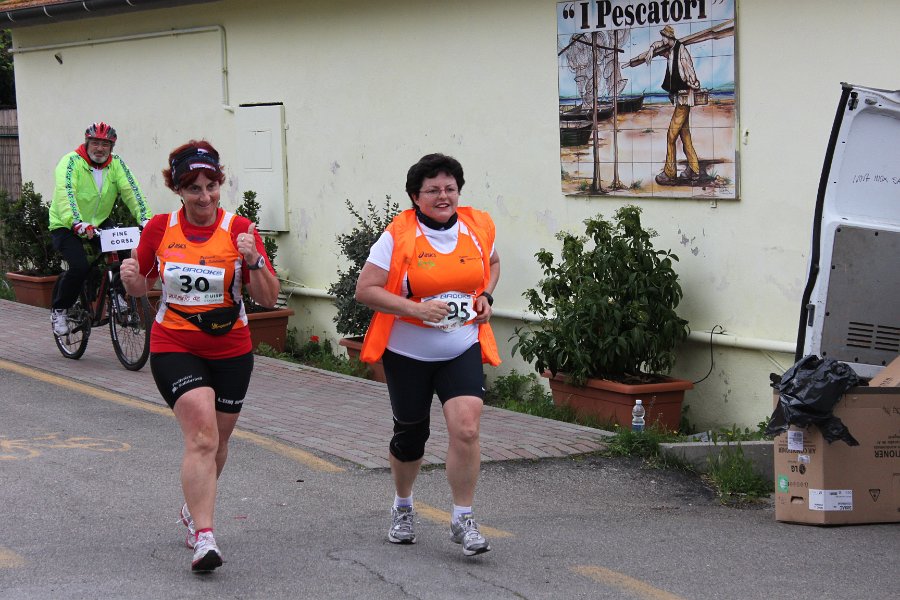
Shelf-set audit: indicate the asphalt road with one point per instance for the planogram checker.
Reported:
(90, 496)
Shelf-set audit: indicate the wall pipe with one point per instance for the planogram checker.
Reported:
(700, 337)
(142, 36)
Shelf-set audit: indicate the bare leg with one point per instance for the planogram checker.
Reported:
(404, 474)
(225, 423)
(196, 414)
(463, 416)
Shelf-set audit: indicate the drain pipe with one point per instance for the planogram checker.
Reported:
(700, 337)
(143, 36)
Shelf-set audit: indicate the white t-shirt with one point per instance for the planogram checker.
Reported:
(425, 343)
(98, 178)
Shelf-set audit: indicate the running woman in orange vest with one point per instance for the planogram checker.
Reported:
(429, 277)
(200, 350)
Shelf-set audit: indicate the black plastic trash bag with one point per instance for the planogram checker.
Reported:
(808, 392)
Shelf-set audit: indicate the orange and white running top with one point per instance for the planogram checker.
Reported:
(198, 276)
(423, 263)
(451, 277)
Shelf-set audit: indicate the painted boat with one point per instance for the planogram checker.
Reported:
(575, 133)
(624, 104)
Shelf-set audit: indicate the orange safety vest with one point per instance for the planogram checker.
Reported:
(191, 291)
(403, 232)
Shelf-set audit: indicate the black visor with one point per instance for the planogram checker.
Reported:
(191, 159)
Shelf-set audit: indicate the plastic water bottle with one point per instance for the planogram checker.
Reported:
(637, 416)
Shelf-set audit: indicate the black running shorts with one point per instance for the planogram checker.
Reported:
(413, 383)
(178, 372)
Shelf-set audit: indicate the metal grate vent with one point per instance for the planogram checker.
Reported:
(873, 337)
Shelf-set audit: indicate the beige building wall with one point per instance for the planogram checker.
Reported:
(369, 87)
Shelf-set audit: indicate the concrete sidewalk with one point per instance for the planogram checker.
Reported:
(326, 413)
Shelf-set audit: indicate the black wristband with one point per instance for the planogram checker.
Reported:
(259, 264)
(490, 298)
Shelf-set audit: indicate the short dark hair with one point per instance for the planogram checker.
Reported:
(432, 165)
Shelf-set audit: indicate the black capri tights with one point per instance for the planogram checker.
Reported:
(413, 383)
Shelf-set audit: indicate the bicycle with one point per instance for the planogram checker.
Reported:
(103, 300)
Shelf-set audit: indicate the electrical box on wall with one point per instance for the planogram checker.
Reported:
(262, 161)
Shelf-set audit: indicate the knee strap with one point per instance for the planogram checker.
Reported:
(408, 443)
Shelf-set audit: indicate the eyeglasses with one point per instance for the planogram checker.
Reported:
(450, 190)
(100, 143)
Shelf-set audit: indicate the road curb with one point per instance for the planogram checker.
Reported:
(697, 454)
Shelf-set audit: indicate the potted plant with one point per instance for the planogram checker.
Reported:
(26, 248)
(608, 322)
(267, 325)
(352, 318)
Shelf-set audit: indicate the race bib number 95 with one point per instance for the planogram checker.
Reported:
(462, 310)
(194, 285)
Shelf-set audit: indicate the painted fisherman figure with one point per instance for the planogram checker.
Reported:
(681, 83)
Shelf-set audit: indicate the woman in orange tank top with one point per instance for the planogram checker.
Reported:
(430, 278)
(200, 350)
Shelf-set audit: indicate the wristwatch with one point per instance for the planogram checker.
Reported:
(259, 264)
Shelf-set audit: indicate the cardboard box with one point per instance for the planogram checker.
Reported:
(835, 484)
(888, 376)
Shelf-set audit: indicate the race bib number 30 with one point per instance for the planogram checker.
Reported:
(462, 310)
(194, 285)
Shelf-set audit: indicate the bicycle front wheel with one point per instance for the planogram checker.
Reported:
(130, 319)
(74, 343)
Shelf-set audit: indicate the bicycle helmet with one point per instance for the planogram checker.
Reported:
(100, 131)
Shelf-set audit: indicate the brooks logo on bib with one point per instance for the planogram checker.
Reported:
(194, 285)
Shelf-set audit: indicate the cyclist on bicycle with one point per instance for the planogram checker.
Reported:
(88, 180)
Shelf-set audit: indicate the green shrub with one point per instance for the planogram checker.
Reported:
(25, 242)
(249, 208)
(6, 292)
(525, 394)
(606, 305)
(314, 352)
(352, 318)
(120, 215)
(645, 444)
(732, 474)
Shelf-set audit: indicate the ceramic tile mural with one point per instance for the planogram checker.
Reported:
(647, 102)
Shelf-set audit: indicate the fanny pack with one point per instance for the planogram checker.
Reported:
(217, 321)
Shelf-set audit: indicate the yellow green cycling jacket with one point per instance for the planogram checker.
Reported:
(76, 198)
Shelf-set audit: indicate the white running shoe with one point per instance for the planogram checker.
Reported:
(60, 319)
(207, 556)
(465, 531)
(188, 521)
(402, 529)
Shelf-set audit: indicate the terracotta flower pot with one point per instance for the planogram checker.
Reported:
(33, 290)
(269, 327)
(610, 401)
(353, 346)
